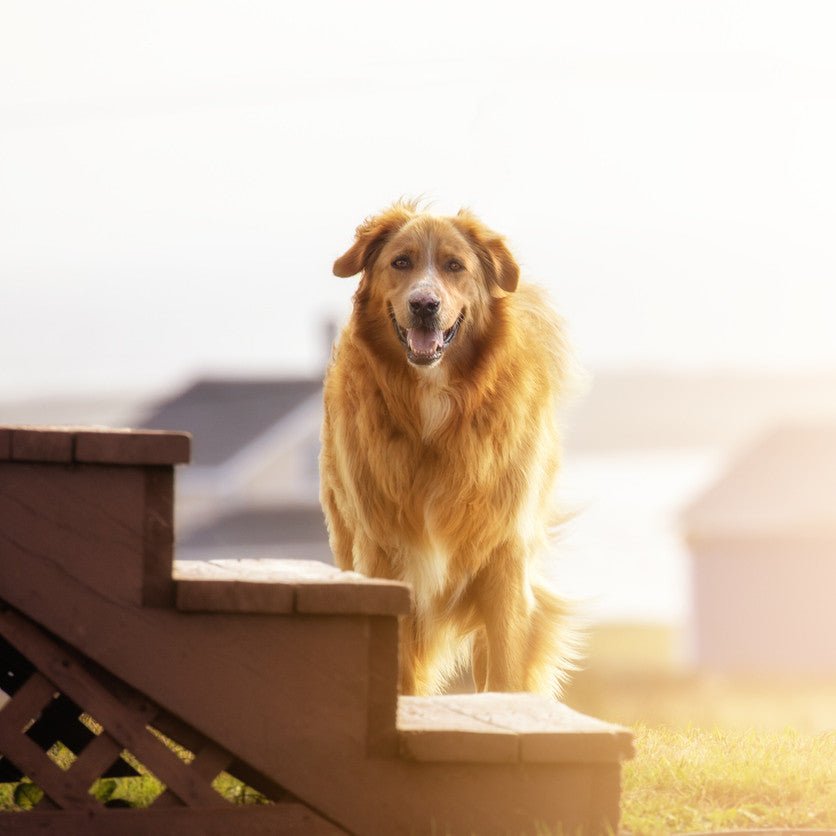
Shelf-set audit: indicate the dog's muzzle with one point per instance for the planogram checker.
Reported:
(424, 341)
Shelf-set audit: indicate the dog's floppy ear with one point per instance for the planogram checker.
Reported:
(369, 238)
(496, 259)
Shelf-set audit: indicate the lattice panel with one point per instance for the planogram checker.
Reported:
(66, 724)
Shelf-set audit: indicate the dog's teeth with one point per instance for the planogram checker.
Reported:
(424, 341)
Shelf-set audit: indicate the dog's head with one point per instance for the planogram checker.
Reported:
(433, 278)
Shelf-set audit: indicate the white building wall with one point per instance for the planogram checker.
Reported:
(765, 606)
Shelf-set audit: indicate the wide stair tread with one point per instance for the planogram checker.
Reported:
(283, 586)
(505, 728)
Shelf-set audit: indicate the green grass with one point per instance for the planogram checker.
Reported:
(712, 753)
(137, 791)
(701, 780)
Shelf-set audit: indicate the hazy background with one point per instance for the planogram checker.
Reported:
(176, 178)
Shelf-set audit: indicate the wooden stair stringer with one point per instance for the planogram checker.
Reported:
(308, 731)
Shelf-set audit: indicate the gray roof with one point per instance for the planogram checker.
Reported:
(785, 484)
(260, 526)
(224, 416)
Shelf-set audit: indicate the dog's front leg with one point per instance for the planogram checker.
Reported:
(339, 532)
(407, 656)
(479, 660)
(505, 604)
(422, 657)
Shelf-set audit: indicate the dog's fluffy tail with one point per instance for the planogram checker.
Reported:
(556, 641)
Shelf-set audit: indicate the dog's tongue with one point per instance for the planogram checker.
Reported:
(424, 340)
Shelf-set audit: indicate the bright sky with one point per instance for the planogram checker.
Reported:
(176, 178)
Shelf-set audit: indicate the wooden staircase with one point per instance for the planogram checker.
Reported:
(282, 673)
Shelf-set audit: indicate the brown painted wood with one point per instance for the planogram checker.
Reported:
(549, 731)
(382, 700)
(94, 446)
(30, 759)
(73, 515)
(284, 819)
(36, 444)
(429, 731)
(197, 665)
(27, 703)
(178, 731)
(136, 447)
(233, 597)
(352, 595)
(284, 586)
(158, 537)
(87, 520)
(124, 725)
(99, 754)
(167, 799)
(59, 720)
(252, 778)
(211, 760)
(300, 683)
(606, 792)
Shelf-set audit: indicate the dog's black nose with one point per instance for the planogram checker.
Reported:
(424, 304)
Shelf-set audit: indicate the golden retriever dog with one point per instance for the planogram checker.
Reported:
(440, 447)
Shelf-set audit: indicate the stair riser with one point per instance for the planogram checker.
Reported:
(110, 527)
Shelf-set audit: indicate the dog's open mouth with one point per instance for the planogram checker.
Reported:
(425, 346)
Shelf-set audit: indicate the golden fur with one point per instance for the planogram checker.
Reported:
(438, 463)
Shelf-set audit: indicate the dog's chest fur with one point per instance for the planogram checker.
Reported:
(435, 402)
(452, 494)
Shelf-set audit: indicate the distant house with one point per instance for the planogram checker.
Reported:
(252, 487)
(763, 546)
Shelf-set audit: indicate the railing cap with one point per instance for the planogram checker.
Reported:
(94, 445)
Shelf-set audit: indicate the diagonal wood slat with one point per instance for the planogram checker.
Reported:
(95, 758)
(211, 760)
(27, 703)
(125, 726)
(60, 786)
(166, 799)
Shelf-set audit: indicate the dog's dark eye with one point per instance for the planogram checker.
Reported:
(454, 266)
(401, 263)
